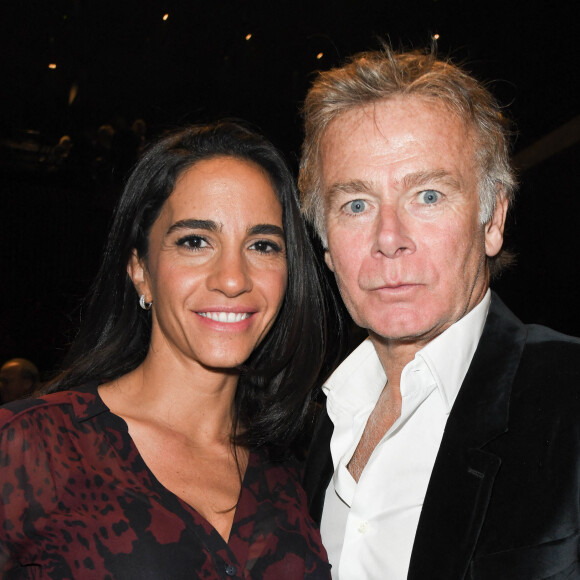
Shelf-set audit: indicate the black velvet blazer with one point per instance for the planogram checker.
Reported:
(503, 499)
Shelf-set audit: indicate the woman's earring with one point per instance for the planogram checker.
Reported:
(143, 304)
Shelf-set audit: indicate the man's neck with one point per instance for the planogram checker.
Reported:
(394, 356)
(383, 416)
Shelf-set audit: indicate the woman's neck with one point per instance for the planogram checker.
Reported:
(182, 395)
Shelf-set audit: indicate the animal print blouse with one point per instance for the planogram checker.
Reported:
(77, 501)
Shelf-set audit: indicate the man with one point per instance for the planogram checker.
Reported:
(19, 378)
(450, 443)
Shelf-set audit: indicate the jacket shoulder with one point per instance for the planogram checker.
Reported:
(551, 353)
(538, 334)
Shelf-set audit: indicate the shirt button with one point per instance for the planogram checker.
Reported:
(231, 570)
(363, 528)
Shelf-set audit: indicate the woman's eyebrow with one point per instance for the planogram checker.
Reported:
(211, 226)
(266, 229)
(193, 224)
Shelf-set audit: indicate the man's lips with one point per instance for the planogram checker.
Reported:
(395, 287)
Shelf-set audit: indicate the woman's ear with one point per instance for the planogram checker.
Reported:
(138, 273)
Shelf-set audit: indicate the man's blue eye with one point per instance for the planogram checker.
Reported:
(429, 196)
(357, 206)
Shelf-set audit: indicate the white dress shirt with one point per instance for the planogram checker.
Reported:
(368, 528)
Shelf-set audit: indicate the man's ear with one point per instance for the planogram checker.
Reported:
(138, 273)
(328, 260)
(495, 226)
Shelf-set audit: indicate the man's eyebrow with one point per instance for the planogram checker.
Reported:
(420, 178)
(347, 187)
(266, 229)
(192, 224)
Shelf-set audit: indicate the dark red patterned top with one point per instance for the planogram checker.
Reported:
(77, 501)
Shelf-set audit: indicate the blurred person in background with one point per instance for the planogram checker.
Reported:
(19, 378)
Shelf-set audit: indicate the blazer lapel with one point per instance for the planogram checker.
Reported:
(464, 473)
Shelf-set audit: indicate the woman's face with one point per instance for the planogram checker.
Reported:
(216, 269)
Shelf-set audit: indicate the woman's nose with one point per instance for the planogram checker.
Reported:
(230, 274)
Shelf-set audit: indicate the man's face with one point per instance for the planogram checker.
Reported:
(400, 186)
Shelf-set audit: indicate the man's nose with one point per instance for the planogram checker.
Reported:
(392, 236)
(230, 274)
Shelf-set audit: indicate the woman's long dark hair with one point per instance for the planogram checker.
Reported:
(274, 386)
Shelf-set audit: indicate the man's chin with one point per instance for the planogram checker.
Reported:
(405, 332)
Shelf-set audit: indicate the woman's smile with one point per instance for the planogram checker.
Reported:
(227, 317)
(217, 250)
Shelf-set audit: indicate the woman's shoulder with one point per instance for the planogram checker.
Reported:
(77, 404)
(37, 431)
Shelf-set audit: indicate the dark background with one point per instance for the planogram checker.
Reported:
(118, 61)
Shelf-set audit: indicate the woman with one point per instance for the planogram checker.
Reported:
(198, 349)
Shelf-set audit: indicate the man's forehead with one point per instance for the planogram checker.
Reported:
(398, 104)
(383, 130)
